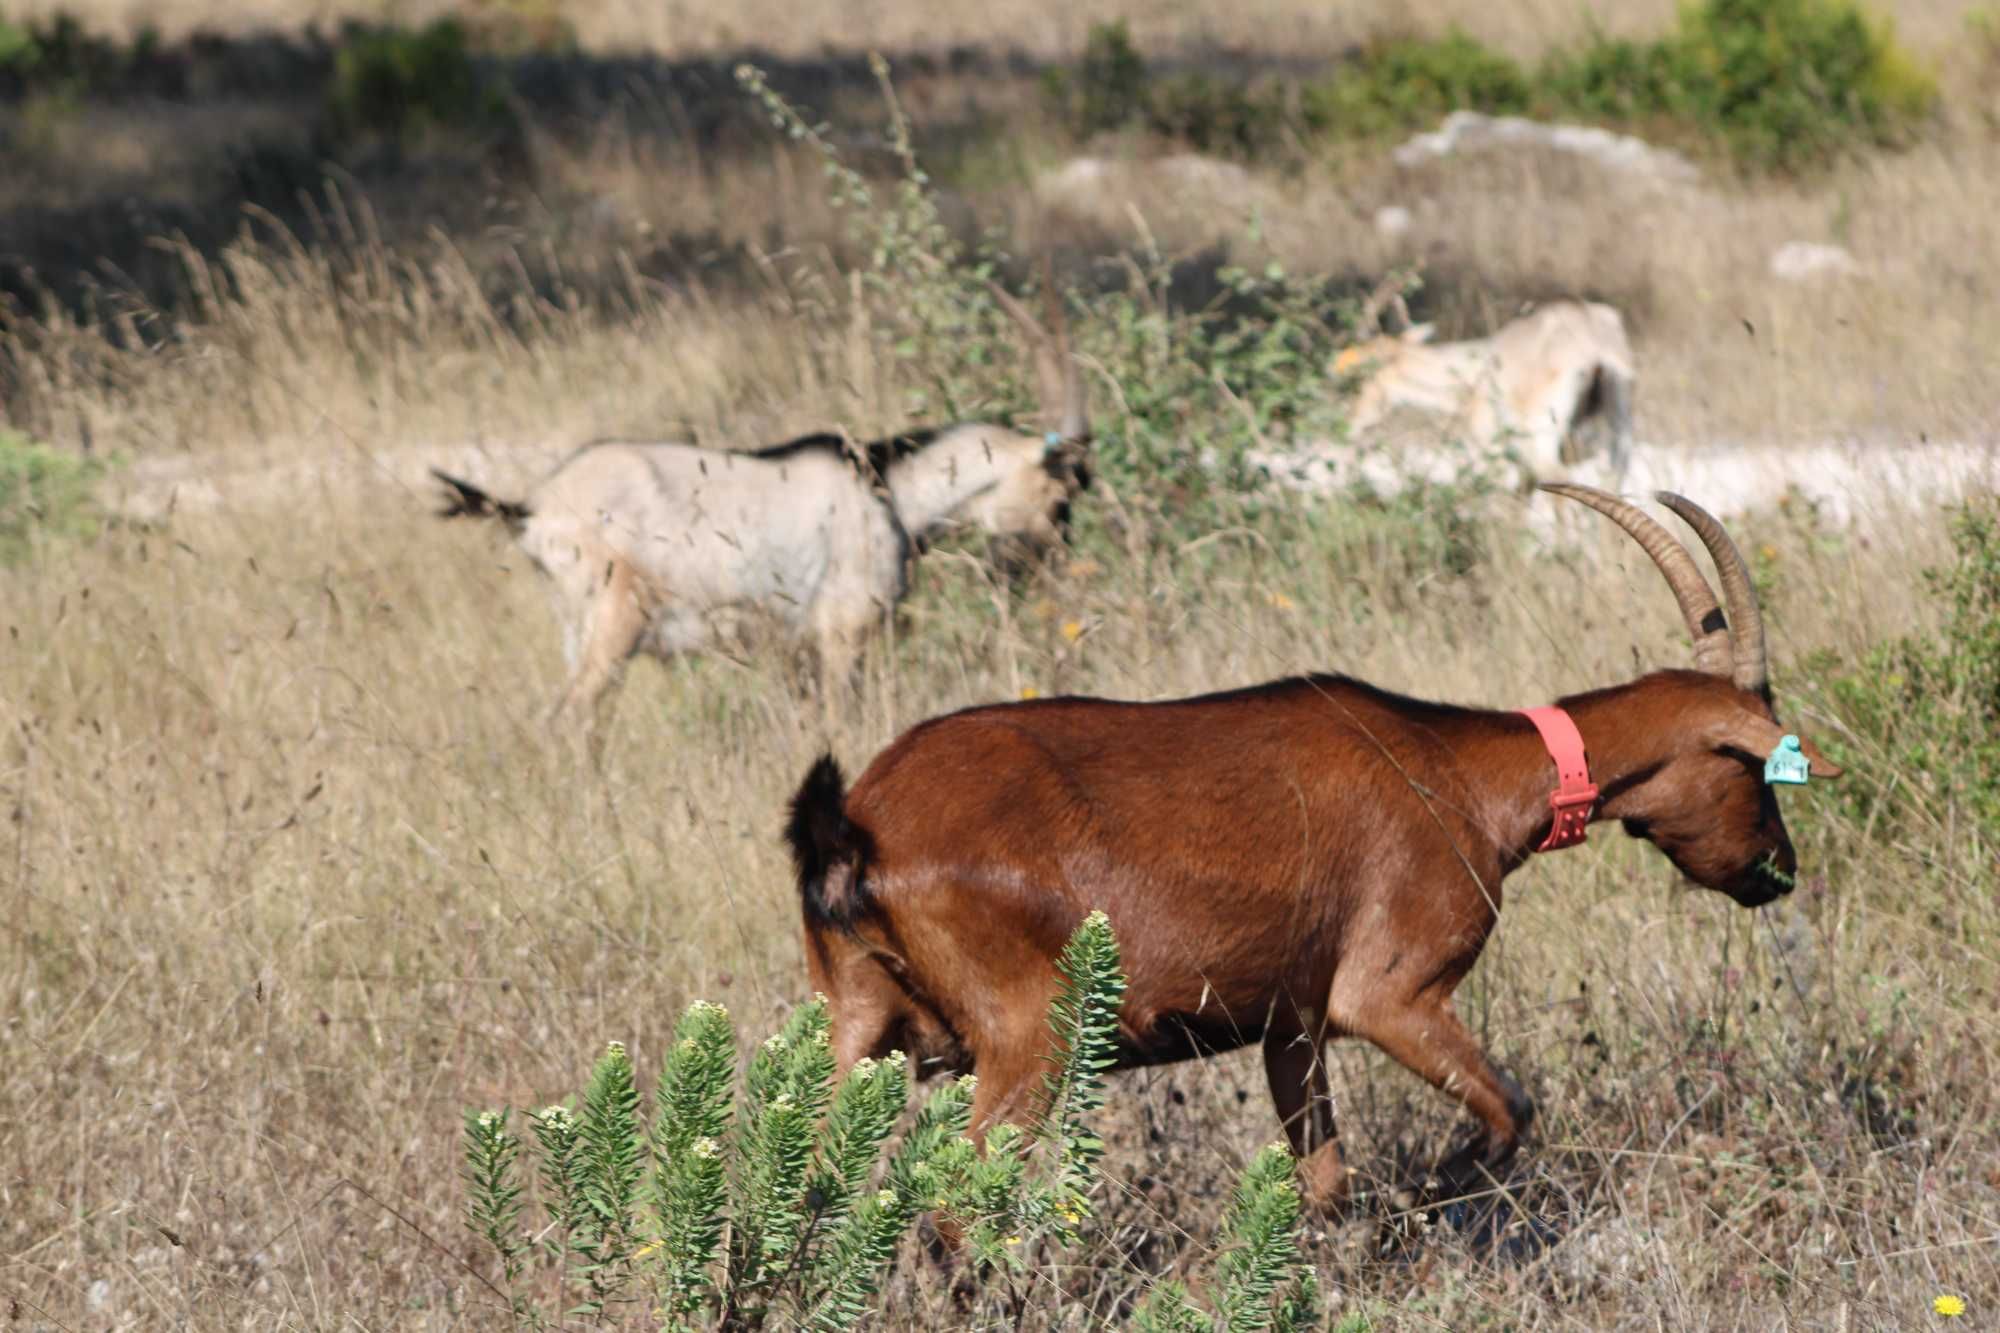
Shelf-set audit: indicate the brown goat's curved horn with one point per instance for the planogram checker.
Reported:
(1061, 382)
(1739, 595)
(1705, 621)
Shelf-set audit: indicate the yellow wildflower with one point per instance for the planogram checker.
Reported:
(1030, 692)
(1349, 358)
(647, 1248)
(1951, 1307)
(1072, 630)
(1768, 551)
(1279, 600)
(1013, 1240)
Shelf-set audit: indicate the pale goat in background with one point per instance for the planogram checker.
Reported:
(1544, 384)
(669, 548)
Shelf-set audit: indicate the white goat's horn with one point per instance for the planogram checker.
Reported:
(1062, 391)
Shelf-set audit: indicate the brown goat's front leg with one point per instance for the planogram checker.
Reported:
(1295, 1065)
(1426, 1036)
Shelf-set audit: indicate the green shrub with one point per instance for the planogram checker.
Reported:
(1219, 115)
(1400, 84)
(56, 53)
(784, 1210)
(44, 492)
(397, 83)
(1109, 87)
(1926, 710)
(19, 52)
(1262, 1281)
(1782, 83)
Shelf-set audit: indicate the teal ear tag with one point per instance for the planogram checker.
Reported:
(1787, 763)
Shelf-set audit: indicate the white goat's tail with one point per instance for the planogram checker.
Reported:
(464, 500)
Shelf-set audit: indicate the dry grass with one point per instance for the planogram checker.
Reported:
(291, 881)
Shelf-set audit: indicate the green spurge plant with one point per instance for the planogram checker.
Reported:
(717, 1213)
(781, 1210)
(1261, 1280)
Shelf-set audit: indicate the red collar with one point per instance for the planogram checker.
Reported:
(1575, 793)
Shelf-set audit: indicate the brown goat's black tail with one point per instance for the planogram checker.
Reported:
(464, 500)
(829, 851)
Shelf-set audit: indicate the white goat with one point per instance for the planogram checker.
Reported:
(669, 548)
(1544, 383)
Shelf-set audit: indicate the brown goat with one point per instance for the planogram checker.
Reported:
(1309, 858)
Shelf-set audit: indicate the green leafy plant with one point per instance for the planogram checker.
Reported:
(782, 1209)
(1261, 1280)
(44, 493)
(1928, 707)
(1782, 83)
(715, 1211)
(1406, 82)
(396, 83)
(1109, 87)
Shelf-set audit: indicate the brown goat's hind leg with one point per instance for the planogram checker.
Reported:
(1428, 1038)
(863, 1000)
(1296, 1067)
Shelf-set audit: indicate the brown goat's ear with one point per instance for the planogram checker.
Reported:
(1759, 736)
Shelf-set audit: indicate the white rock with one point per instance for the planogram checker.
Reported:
(1855, 486)
(1802, 261)
(1392, 221)
(1468, 131)
(1097, 184)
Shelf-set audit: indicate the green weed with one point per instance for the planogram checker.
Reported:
(44, 493)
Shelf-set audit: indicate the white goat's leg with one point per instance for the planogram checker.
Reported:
(612, 630)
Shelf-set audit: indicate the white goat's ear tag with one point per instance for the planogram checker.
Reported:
(1787, 764)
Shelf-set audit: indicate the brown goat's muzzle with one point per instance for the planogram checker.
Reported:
(1766, 879)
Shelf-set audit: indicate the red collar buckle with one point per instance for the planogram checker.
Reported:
(1575, 795)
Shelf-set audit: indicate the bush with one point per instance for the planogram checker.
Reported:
(1219, 115)
(1928, 709)
(56, 53)
(1783, 83)
(44, 493)
(763, 1212)
(397, 83)
(1108, 89)
(1400, 84)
